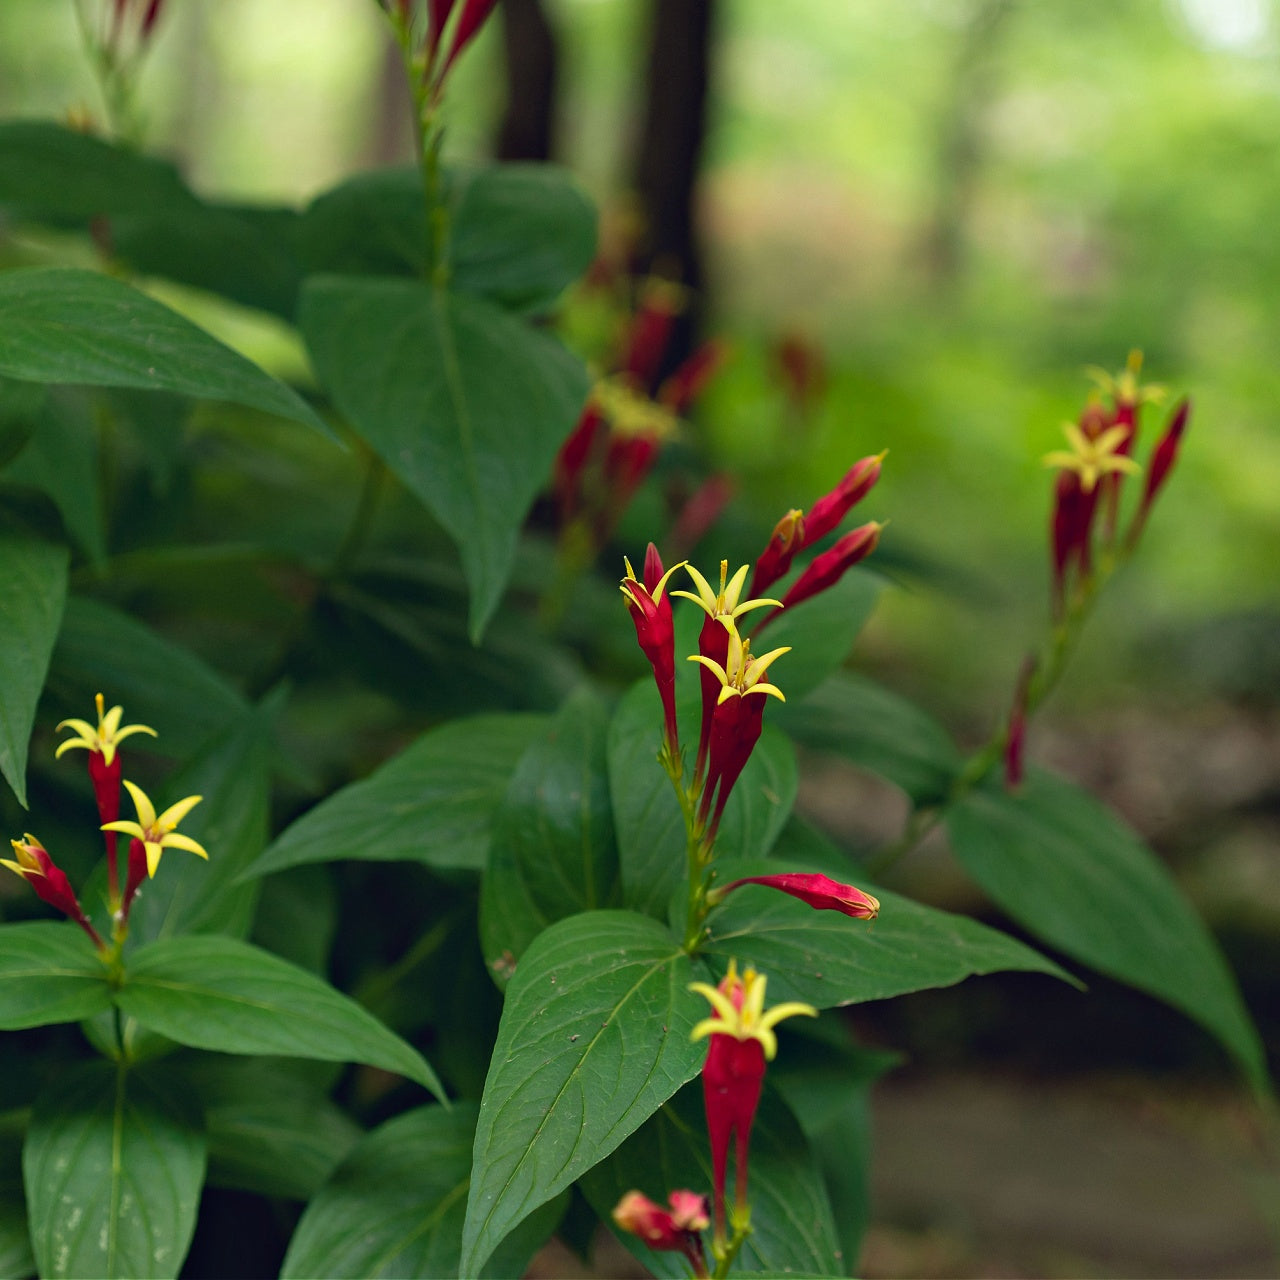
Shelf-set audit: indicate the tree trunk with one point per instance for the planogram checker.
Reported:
(528, 129)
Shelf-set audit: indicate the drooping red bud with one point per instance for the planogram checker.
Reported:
(1162, 461)
(819, 891)
(828, 568)
(470, 20)
(787, 538)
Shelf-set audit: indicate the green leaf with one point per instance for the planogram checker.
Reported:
(594, 1038)
(189, 894)
(271, 1128)
(56, 174)
(553, 849)
(113, 1166)
(1069, 870)
(220, 993)
(465, 403)
(159, 683)
(61, 460)
(49, 972)
(879, 731)
(395, 1207)
(793, 1230)
(33, 590)
(820, 631)
(433, 803)
(519, 234)
(827, 959)
(826, 1081)
(62, 324)
(20, 406)
(650, 828)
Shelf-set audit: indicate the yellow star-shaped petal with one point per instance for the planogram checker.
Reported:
(738, 1004)
(157, 832)
(1093, 457)
(105, 738)
(742, 673)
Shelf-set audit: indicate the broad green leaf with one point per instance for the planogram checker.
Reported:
(553, 850)
(33, 590)
(433, 803)
(65, 325)
(396, 1205)
(827, 959)
(793, 1230)
(272, 1129)
(594, 1038)
(247, 254)
(220, 993)
(1070, 871)
(61, 460)
(190, 894)
(826, 1081)
(820, 631)
(519, 234)
(52, 173)
(159, 683)
(20, 406)
(297, 917)
(113, 1166)
(879, 731)
(465, 403)
(646, 814)
(49, 972)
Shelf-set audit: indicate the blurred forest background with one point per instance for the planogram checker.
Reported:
(951, 206)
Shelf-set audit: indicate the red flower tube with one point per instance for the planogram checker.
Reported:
(651, 612)
(819, 891)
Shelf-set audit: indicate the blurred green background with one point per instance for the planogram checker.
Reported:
(959, 203)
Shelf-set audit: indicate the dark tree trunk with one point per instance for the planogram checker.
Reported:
(528, 127)
(670, 153)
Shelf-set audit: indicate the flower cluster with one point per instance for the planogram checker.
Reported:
(151, 834)
(1091, 474)
(630, 414)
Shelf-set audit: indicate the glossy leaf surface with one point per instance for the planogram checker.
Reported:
(465, 403)
(33, 590)
(1069, 870)
(219, 993)
(432, 803)
(113, 1167)
(594, 1038)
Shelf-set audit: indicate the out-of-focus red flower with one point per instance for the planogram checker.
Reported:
(673, 1230)
(1015, 738)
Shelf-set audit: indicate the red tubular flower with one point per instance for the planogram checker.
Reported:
(700, 512)
(736, 719)
(660, 302)
(1017, 732)
(651, 612)
(828, 568)
(102, 743)
(742, 1041)
(723, 609)
(802, 368)
(684, 386)
(1163, 458)
(470, 20)
(831, 508)
(787, 538)
(820, 892)
(36, 867)
(571, 461)
(675, 1230)
(438, 12)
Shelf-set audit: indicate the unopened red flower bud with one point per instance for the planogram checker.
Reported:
(828, 568)
(831, 508)
(787, 538)
(819, 891)
(50, 883)
(1162, 461)
(660, 302)
(470, 20)
(684, 386)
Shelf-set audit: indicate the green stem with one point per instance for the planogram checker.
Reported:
(725, 1256)
(1050, 666)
